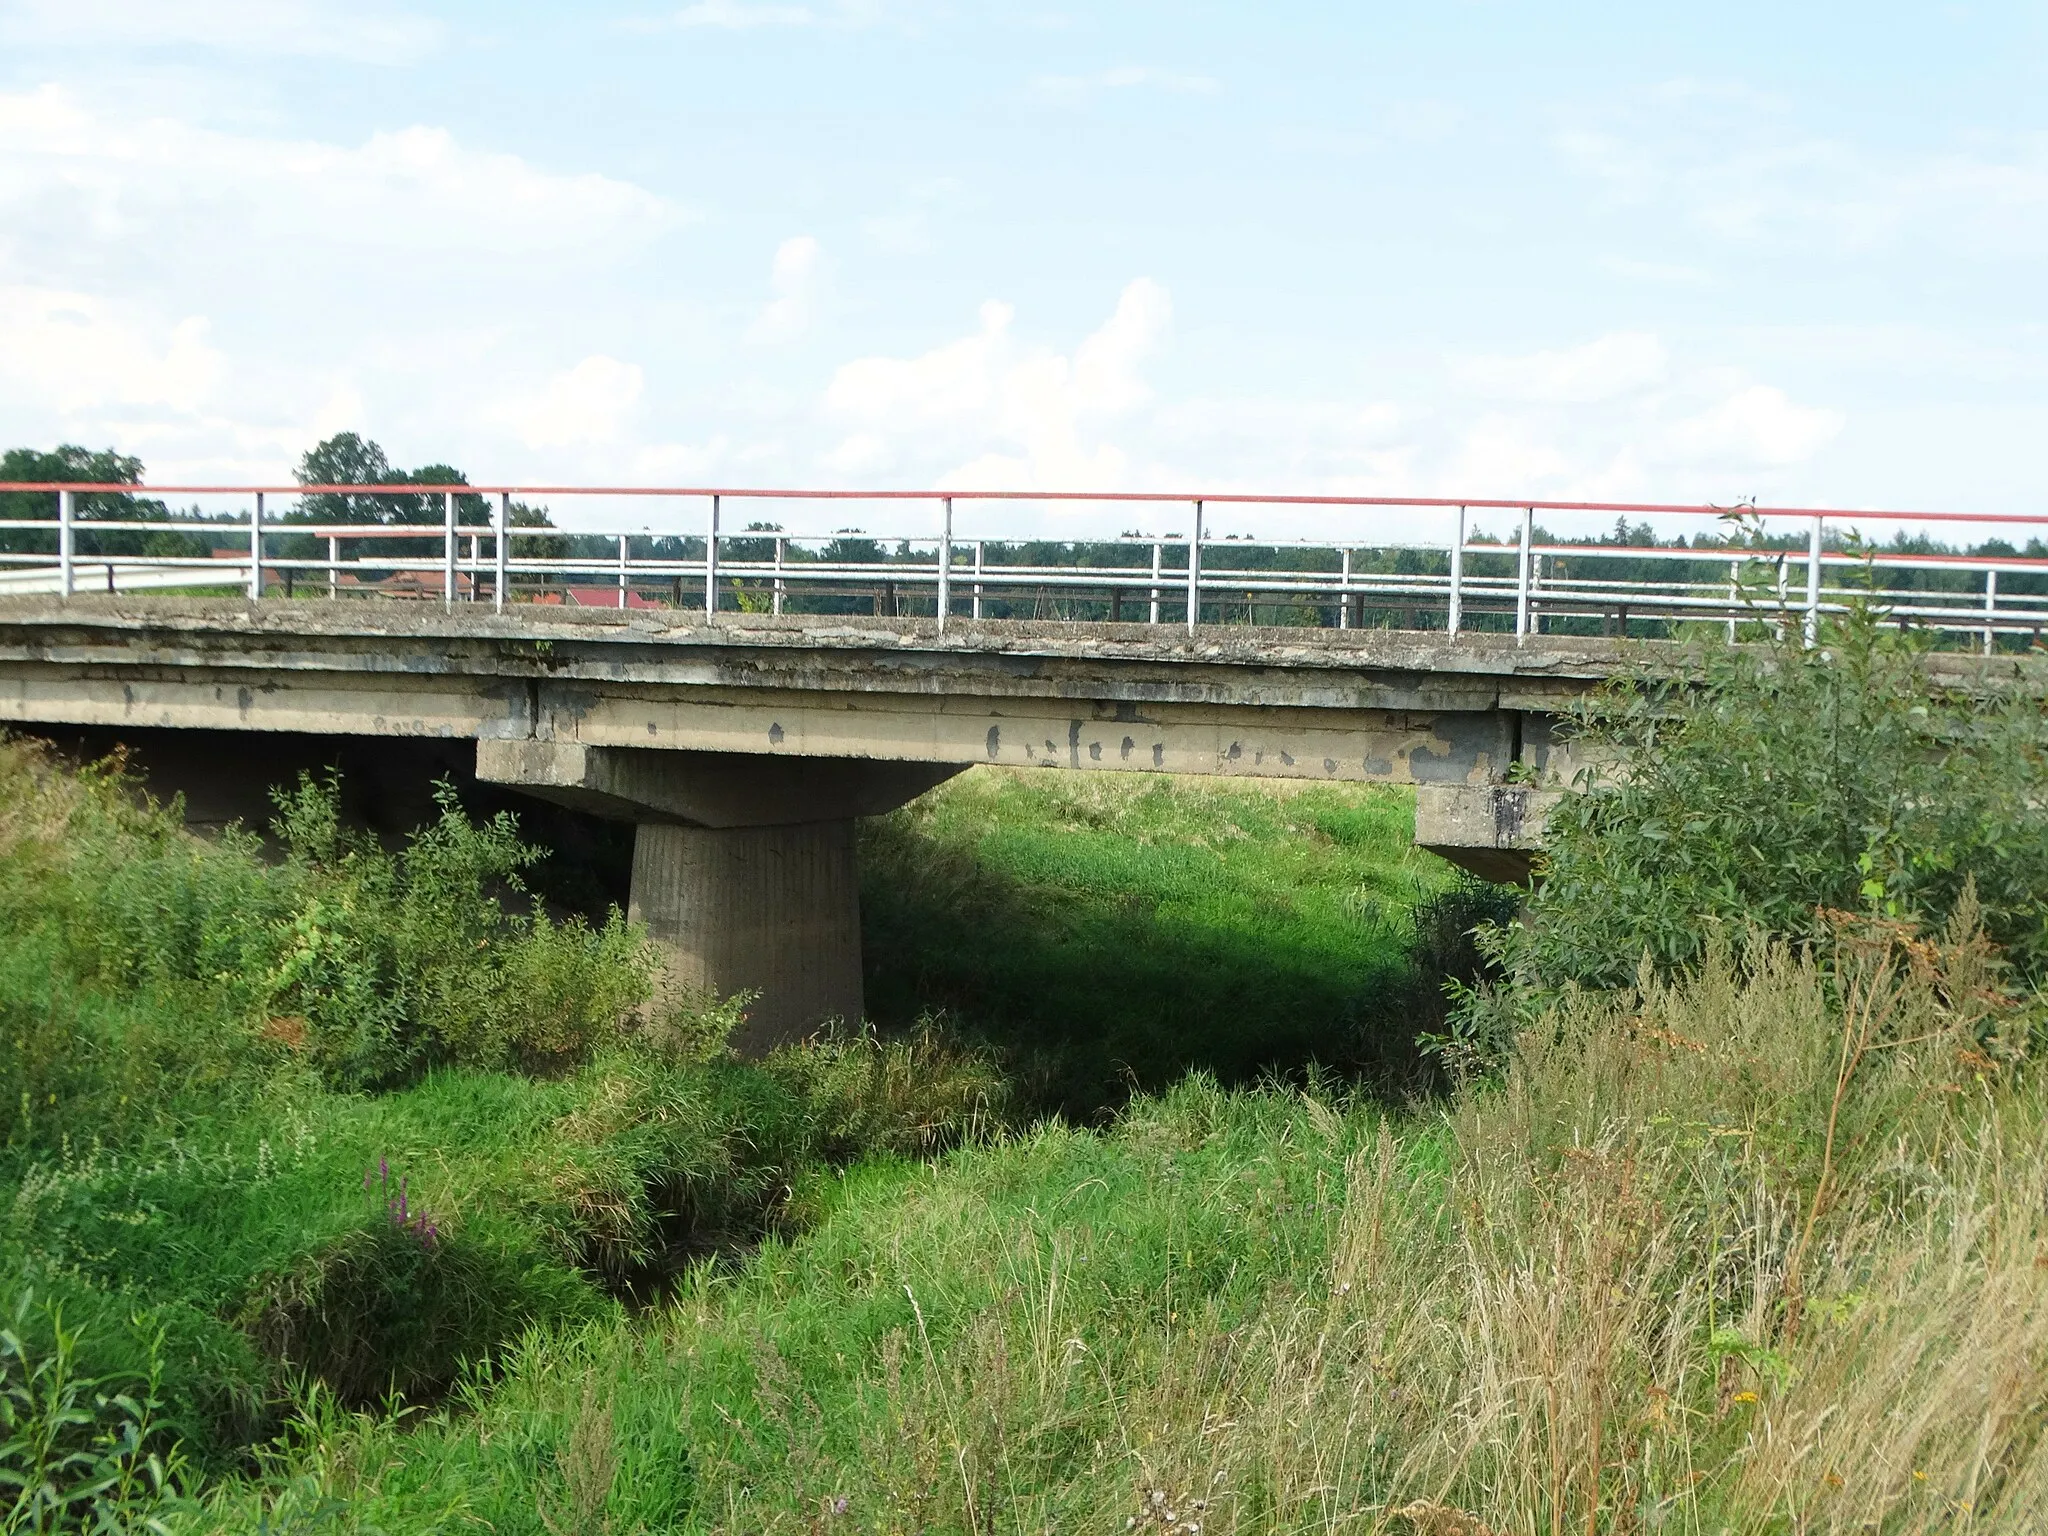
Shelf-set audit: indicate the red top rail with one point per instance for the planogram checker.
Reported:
(1225, 498)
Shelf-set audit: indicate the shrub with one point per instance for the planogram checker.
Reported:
(1785, 781)
(396, 962)
(76, 1452)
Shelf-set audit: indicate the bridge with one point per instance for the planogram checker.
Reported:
(740, 697)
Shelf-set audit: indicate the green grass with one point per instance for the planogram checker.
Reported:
(204, 1191)
(1755, 1247)
(1741, 1256)
(1113, 932)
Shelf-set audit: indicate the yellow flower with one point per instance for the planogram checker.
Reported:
(1743, 1397)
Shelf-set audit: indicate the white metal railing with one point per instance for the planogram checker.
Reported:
(1186, 577)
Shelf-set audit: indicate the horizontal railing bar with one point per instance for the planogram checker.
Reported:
(1232, 498)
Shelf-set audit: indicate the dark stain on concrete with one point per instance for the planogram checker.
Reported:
(1073, 743)
(1094, 751)
(1330, 766)
(1379, 767)
(1466, 738)
(243, 700)
(1236, 751)
(1158, 754)
(775, 733)
(1125, 751)
(1287, 759)
(995, 742)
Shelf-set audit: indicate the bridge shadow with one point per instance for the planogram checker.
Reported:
(1095, 971)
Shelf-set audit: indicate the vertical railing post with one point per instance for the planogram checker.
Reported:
(711, 563)
(1990, 608)
(1455, 621)
(333, 566)
(945, 563)
(503, 553)
(256, 548)
(67, 526)
(447, 549)
(781, 587)
(1535, 591)
(1734, 593)
(1522, 574)
(978, 551)
(623, 552)
(1813, 582)
(1195, 572)
(1158, 550)
(1344, 593)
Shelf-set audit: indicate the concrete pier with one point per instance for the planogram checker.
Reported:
(769, 910)
(743, 866)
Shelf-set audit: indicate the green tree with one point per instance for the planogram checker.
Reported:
(70, 463)
(348, 459)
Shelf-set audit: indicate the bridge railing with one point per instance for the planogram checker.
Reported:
(1754, 566)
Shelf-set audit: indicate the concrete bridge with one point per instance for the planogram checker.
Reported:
(742, 747)
(610, 673)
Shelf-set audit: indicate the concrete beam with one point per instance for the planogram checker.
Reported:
(1493, 830)
(705, 789)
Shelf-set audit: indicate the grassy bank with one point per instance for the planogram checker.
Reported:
(388, 1205)
(1109, 932)
(1629, 1289)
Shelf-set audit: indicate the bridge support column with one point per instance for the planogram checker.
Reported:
(769, 910)
(743, 866)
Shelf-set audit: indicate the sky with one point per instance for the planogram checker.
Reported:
(1463, 248)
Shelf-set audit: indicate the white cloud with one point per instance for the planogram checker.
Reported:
(1124, 77)
(952, 382)
(74, 352)
(121, 178)
(1756, 426)
(367, 34)
(1507, 455)
(864, 453)
(584, 405)
(1612, 365)
(794, 276)
(1106, 364)
(1736, 169)
(1011, 418)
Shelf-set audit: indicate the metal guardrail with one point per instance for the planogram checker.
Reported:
(1448, 585)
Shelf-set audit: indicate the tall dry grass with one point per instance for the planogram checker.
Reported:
(1762, 1250)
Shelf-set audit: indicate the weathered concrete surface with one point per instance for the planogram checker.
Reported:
(769, 910)
(704, 789)
(1493, 830)
(1266, 702)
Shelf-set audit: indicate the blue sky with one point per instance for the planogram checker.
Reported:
(1460, 248)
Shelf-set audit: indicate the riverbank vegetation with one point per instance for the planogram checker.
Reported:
(347, 1192)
